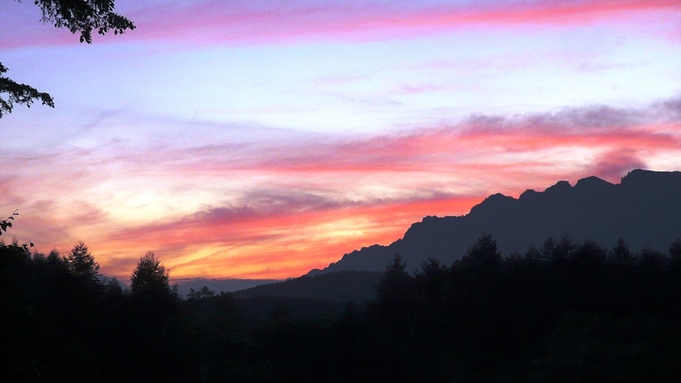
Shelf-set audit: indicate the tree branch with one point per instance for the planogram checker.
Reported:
(19, 93)
(84, 16)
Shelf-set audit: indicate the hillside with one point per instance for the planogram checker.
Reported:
(218, 285)
(644, 209)
(343, 286)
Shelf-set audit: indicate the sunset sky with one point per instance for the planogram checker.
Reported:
(261, 139)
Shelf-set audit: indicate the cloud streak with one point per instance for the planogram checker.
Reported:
(285, 21)
(247, 22)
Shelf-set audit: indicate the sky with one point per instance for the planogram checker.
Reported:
(261, 139)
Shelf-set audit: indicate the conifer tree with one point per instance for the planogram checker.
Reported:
(675, 250)
(150, 275)
(395, 283)
(82, 263)
(484, 254)
(620, 254)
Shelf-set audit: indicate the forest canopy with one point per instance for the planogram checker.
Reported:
(563, 311)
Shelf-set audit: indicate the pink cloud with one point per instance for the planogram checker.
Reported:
(424, 88)
(448, 147)
(361, 22)
(207, 22)
(614, 165)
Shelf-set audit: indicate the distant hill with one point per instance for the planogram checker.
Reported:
(218, 285)
(343, 286)
(644, 209)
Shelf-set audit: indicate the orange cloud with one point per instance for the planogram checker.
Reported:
(272, 245)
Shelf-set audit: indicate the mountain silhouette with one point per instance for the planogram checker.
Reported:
(343, 286)
(644, 209)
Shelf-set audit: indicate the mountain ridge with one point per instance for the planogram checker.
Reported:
(644, 209)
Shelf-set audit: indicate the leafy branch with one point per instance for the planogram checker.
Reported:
(7, 223)
(78, 16)
(19, 93)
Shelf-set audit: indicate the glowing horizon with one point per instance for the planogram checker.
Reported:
(262, 140)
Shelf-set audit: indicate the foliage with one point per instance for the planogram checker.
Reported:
(620, 253)
(395, 283)
(484, 255)
(82, 263)
(78, 16)
(675, 250)
(205, 292)
(7, 223)
(19, 93)
(150, 275)
(84, 16)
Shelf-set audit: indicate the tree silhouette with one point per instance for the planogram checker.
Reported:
(431, 280)
(204, 292)
(484, 254)
(564, 248)
(431, 268)
(150, 275)
(6, 223)
(548, 248)
(82, 263)
(78, 16)
(675, 250)
(19, 93)
(84, 16)
(395, 283)
(620, 254)
(584, 318)
(155, 321)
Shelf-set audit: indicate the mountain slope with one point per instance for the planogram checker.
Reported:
(344, 286)
(644, 209)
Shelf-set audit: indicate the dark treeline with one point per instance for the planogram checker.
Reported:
(567, 311)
